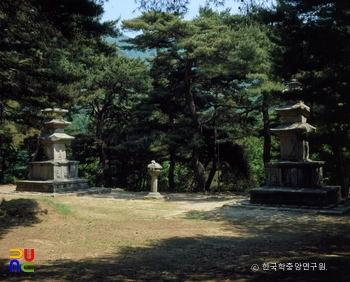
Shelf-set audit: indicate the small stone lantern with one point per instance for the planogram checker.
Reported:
(154, 169)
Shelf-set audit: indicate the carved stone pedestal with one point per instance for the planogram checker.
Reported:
(294, 174)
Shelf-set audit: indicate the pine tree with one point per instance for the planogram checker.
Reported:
(106, 96)
(208, 59)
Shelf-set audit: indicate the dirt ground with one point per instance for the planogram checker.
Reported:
(185, 237)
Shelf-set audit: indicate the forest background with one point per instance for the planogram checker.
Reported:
(200, 100)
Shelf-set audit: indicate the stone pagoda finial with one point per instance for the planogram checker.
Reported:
(292, 85)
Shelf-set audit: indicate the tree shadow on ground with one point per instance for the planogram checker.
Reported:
(280, 230)
(255, 237)
(18, 212)
(200, 258)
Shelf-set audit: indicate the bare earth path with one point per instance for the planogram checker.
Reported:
(186, 237)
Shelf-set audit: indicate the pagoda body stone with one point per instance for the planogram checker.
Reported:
(294, 179)
(56, 174)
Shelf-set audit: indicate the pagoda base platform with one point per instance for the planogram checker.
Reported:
(323, 196)
(53, 186)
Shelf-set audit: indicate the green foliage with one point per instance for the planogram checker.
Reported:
(41, 47)
(180, 7)
(14, 164)
(182, 177)
(126, 52)
(254, 155)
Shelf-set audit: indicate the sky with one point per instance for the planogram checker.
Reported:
(124, 9)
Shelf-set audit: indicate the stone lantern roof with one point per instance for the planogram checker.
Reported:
(54, 111)
(153, 166)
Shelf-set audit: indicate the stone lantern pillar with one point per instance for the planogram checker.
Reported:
(154, 169)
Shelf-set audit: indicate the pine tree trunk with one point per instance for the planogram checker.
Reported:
(211, 176)
(267, 133)
(1, 144)
(197, 166)
(2, 171)
(213, 168)
(100, 174)
(344, 187)
(171, 170)
(100, 146)
(198, 171)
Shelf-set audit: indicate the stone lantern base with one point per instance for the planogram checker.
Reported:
(153, 195)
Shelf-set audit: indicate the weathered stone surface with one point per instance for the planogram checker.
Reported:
(293, 146)
(294, 179)
(57, 174)
(154, 169)
(153, 195)
(53, 186)
(294, 174)
(323, 196)
(54, 169)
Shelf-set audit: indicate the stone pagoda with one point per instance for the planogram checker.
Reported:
(294, 179)
(56, 174)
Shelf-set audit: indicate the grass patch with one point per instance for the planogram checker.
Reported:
(194, 215)
(61, 208)
(200, 215)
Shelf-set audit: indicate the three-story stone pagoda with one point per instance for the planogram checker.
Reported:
(294, 179)
(56, 174)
